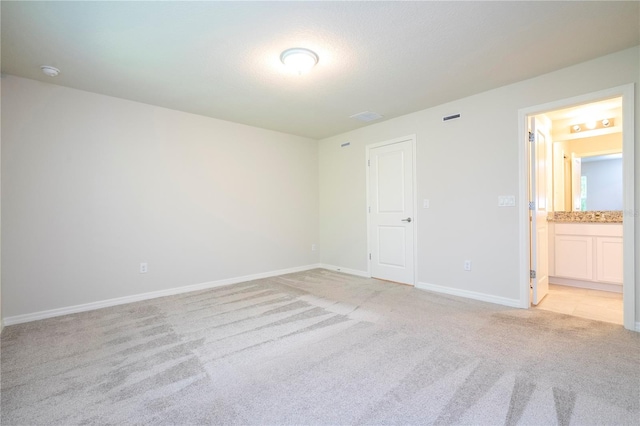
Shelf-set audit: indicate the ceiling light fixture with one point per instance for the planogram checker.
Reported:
(299, 59)
(50, 71)
(592, 125)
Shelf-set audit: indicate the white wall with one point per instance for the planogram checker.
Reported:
(94, 185)
(462, 167)
(598, 145)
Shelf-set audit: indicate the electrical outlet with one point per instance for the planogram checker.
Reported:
(467, 265)
(313, 247)
(143, 268)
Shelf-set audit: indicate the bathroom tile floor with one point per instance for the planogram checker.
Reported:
(582, 302)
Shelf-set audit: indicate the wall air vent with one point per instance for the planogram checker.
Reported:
(366, 116)
(451, 117)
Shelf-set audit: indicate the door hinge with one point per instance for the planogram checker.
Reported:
(532, 138)
(369, 256)
(532, 273)
(369, 209)
(532, 205)
(369, 163)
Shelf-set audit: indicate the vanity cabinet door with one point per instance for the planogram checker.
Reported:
(574, 257)
(609, 259)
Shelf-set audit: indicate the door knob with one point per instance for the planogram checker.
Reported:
(407, 219)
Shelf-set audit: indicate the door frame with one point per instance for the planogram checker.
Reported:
(412, 139)
(628, 226)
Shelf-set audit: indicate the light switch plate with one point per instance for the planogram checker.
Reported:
(506, 200)
(425, 203)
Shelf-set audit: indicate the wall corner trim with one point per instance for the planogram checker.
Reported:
(514, 303)
(35, 316)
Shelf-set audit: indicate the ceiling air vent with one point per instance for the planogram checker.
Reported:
(451, 117)
(366, 116)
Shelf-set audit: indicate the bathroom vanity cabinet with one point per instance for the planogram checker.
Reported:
(586, 255)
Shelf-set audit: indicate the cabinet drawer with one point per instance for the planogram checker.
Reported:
(589, 229)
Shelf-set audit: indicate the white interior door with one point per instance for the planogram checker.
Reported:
(541, 189)
(391, 215)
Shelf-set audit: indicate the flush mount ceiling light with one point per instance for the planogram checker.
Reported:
(299, 59)
(50, 71)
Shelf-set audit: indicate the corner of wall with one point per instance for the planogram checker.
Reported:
(349, 271)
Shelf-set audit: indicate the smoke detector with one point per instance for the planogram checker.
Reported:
(50, 71)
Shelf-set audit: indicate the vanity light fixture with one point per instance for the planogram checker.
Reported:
(299, 59)
(50, 71)
(592, 125)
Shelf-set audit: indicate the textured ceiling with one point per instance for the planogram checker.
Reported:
(221, 59)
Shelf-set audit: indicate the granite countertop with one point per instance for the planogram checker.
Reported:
(601, 216)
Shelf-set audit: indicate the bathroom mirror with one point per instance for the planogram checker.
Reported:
(588, 182)
(600, 186)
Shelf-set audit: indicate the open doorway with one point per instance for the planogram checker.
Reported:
(578, 177)
(580, 153)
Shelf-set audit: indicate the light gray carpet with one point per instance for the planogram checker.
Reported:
(319, 347)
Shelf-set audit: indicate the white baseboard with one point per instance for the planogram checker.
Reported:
(345, 270)
(591, 285)
(18, 319)
(514, 303)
